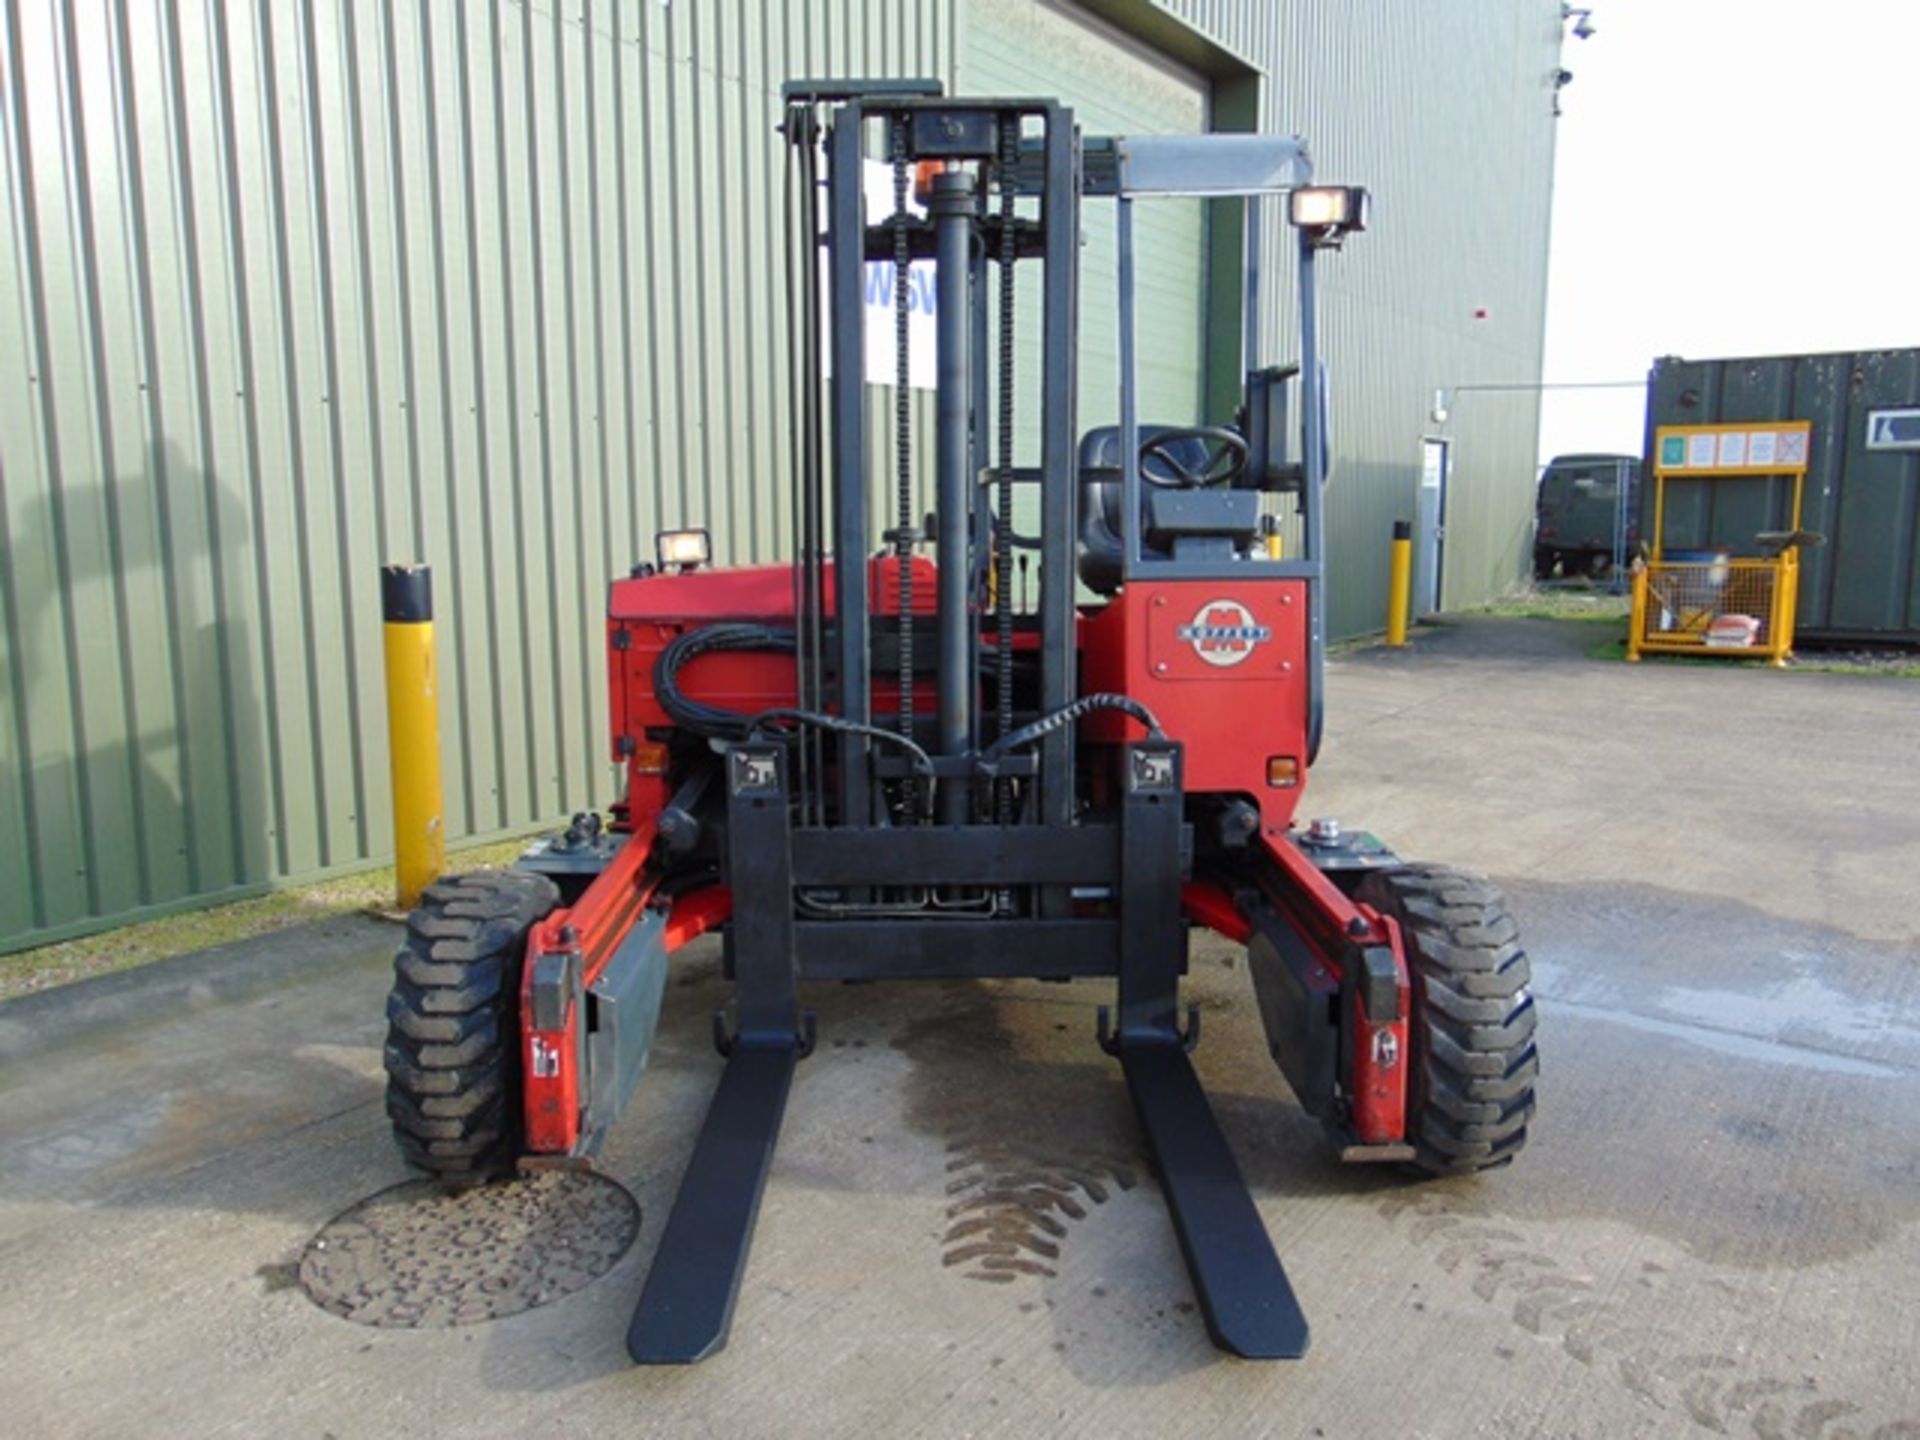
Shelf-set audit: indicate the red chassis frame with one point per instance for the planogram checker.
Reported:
(1204, 656)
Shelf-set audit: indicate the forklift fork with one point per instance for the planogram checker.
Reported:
(1250, 1307)
(686, 1306)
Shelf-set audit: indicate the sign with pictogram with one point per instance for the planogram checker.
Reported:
(1750, 449)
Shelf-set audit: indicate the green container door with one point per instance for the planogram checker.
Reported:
(1116, 86)
(1874, 531)
(1864, 583)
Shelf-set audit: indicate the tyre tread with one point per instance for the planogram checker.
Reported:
(451, 1051)
(1471, 1092)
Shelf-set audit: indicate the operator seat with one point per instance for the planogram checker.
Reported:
(1209, 523)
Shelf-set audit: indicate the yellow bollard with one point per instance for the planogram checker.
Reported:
(1275, 541)
(1637, 616)
(1400, 583)
(413, 728)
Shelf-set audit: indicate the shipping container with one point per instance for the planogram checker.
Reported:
(1862, 585)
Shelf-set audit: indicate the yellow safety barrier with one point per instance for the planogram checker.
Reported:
(413, 729)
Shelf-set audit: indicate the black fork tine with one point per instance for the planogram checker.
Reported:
(686, 1306)
(1250, 1307)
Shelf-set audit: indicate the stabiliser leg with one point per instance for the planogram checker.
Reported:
(686, 1306)
(1249, 1306)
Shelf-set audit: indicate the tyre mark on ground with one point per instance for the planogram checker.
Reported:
(1009, 1205)
(1603, 1330)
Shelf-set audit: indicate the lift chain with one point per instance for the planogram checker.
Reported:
(904, 533)
(1003, 494)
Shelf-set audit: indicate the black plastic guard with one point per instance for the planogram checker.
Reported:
(1299, 1000)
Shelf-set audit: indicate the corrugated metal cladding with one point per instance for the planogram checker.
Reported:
(1445, 113)
(293, 288)
(290, 289)
(1863, 583)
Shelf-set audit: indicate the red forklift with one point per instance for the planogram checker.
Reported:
(872, 763)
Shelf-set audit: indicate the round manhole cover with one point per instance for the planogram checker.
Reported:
(418, 1257)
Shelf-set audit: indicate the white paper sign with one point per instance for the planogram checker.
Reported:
(1733, 448)
(922, 350)
(877, 297)
(1760, 450)
(1700, 452)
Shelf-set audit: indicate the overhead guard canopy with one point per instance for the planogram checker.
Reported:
(1212, 165)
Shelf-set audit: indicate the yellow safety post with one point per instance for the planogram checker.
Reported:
(1276, 542)
(1637, 619)
(413, 728)
(1786, 595)
(1400, 583)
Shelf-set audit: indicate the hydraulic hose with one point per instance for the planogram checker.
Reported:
(696, 715)
(1035, 730)
(788, 716)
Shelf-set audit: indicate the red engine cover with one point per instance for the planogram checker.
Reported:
(1223, 665)
(645, 613)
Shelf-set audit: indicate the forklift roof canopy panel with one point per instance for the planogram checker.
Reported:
(1212, 165)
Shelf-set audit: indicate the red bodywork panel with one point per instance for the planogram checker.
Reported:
(1224, 665)
(593, 930)
(650, 611)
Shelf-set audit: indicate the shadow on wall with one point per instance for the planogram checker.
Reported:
(147, 779)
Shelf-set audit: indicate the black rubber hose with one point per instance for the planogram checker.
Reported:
(696, 715)
(814, 719)
(1038, 729)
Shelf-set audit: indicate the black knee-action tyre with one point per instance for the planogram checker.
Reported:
(1471, 1041)
(452, 1052)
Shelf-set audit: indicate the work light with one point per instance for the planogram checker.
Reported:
(1329, 210)
(685, 549)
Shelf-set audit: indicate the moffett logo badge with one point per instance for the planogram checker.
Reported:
(1224, 632)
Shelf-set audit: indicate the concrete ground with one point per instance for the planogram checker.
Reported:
(1712, 1233)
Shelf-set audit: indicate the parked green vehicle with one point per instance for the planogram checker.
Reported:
(1579, 511)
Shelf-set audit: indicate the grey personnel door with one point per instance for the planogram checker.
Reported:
(1430, 532)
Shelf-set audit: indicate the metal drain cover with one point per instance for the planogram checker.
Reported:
(417, 1257)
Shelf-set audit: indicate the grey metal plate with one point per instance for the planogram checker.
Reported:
(419, 1257)
(1201, 165)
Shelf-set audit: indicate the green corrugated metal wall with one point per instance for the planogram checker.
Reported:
(289, 289)
(1023, 47)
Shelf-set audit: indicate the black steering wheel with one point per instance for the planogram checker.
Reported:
(1226, 460)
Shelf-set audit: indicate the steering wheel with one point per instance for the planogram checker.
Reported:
(1226, 460)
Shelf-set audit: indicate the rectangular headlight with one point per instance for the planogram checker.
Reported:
(1329, 207)
(683, 549)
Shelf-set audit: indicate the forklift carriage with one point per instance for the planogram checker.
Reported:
(870, 766)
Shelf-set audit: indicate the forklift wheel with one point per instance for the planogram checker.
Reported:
(452, 1053)
(1470, 1089)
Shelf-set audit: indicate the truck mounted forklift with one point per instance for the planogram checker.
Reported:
(871, 763)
